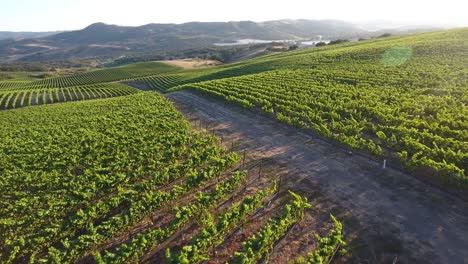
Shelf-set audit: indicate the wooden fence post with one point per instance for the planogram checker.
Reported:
(260, 169)
(243, 159)
(279, 184)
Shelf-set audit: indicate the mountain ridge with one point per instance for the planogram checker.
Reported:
(100, 40)
(26, 34)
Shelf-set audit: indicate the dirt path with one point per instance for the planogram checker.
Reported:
(395, 213)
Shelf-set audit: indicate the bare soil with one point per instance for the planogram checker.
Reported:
(193, 63)
(386, 213)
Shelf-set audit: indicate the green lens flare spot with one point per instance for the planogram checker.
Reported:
(397, 56)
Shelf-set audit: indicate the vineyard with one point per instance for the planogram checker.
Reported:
(161, 82)
(4, 85)
(97, 76)
(108, 75)
(31, 97)
(96, 84)
(99, 171)
(402, 99)
(111, 180)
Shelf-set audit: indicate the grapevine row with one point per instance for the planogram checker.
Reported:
(23, 98)
(144, 241)
(258, 246)
(215, 233)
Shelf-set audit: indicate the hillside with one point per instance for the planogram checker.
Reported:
(85, 86)
(22, 35)
(359, 94)
(279, 158)
(402, 98)
(102, 40)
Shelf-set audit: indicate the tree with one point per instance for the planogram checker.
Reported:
(338, 41)
(385, 35)
(293, 47)
(320, 44)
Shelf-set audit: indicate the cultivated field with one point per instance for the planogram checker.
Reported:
(276, 159)
(385, 211)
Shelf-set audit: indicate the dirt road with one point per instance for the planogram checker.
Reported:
(392, 213)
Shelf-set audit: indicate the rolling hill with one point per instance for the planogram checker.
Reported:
(102, 40)
(318, 89)
(129, 179)
(399, 98)
(22, 35)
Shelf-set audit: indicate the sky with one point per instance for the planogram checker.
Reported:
(51, 15)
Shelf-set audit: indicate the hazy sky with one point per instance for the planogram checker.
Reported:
(48, 15)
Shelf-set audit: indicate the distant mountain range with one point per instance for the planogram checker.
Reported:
(21, 35)
(105, 41)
